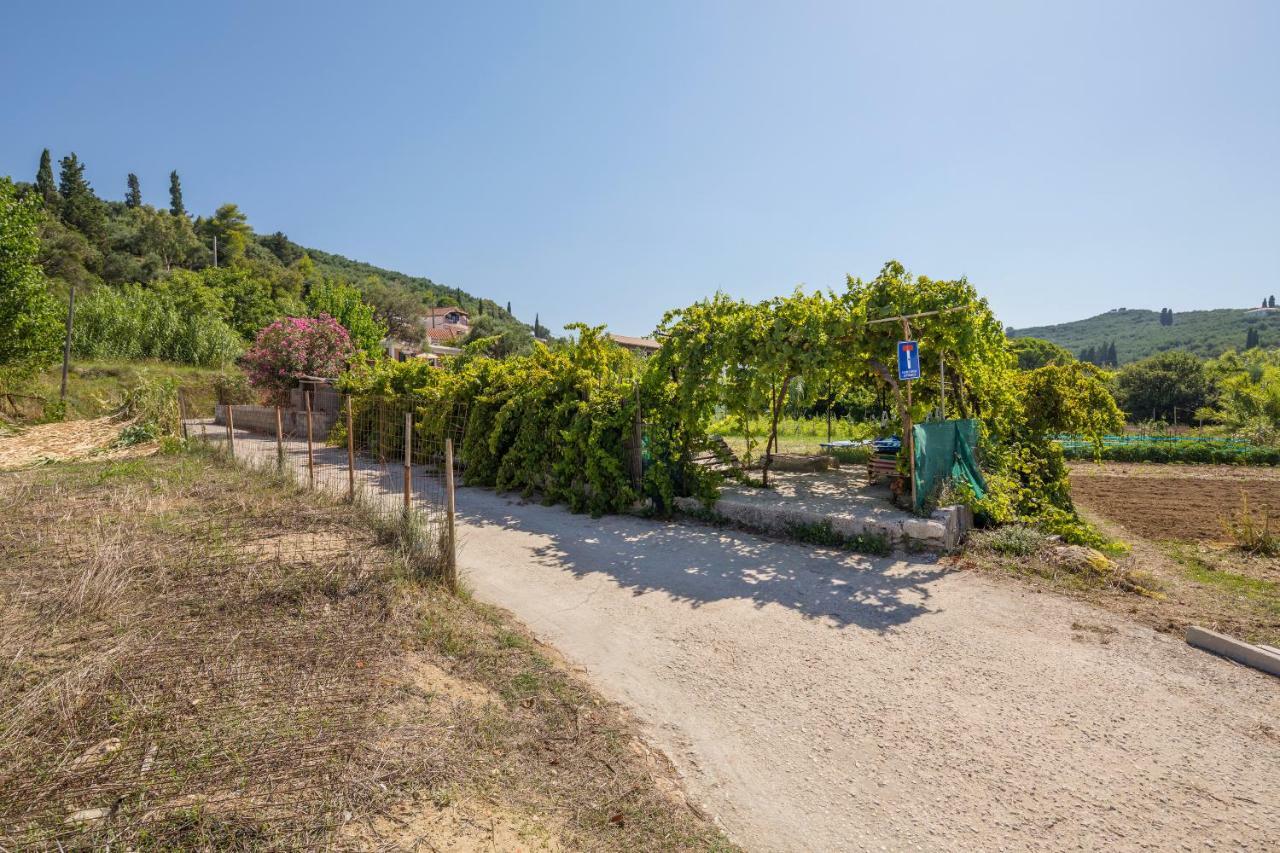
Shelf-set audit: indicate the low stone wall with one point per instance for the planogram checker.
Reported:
(941, 532)
(262, 419)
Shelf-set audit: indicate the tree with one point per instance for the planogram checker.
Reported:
(44, 182)
(509, 308)
(537, 326)
(1037, 352)
(175, 195)
(342, 302)
(231, 228)
(499, 337)
(133, 198)
(1112, 359)
(294, 347)
(1156, 386)
(1251, 338)
(29, 317)
(1271, 303)
(81, 209)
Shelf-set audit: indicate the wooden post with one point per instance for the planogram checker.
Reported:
(408, 460)
(182, 415)
(942, 386)
(279, 440)
(231, 430)
(311, 453)
(450, 554)
(351, 454)
(66, 347)
(907, 443)
(637, 446)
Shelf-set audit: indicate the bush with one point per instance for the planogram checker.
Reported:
(1014, 540)
(295, 347)
(171, 323)
(1185, 452)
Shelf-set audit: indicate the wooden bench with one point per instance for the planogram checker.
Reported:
(879, 467)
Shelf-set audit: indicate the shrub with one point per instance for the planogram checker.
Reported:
(295, 347)
(1014, 540)
(174, 321)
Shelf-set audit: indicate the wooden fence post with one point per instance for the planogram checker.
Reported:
(231, 430)
(408, 460)
(279, 440)
(351, 454)
(311, 454)
(450, 552)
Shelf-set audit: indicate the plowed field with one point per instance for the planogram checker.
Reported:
(1183, 502)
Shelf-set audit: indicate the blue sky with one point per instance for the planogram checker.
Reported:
(606, 161)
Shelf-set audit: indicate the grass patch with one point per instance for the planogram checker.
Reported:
(1265, 593)
(186, 639)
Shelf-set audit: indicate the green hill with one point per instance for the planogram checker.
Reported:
(1137, 333)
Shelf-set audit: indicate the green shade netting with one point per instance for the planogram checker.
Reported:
(944, 450)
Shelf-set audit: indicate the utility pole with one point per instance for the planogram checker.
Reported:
(66, 347)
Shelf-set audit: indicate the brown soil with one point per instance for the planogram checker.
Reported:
(1177, 502)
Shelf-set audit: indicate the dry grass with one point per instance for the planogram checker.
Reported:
(197, 657)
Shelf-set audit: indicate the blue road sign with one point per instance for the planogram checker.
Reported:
(908, 360)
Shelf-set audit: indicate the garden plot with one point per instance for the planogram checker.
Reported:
(1183, 502)
(1185, 526)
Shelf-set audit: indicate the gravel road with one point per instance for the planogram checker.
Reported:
(821, 701)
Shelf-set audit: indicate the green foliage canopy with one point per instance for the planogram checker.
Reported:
(29, 317)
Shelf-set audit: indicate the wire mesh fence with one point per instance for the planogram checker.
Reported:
(392, 455)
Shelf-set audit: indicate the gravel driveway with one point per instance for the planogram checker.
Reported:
(822, 701)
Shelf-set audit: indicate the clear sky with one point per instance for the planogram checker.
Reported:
(604, 161)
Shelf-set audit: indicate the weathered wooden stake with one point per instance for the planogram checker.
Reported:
(311, 453)
(231, 430)
(279, 439)
(408, 460)
(450, 554)
(351, 454)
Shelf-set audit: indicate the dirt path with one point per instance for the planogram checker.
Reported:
(822, 701)
(819, 701)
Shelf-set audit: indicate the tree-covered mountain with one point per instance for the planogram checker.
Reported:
(1138, 333)
(149, 242)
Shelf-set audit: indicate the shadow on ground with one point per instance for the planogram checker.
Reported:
(701, 564)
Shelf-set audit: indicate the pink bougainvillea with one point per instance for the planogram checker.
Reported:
(294, 347)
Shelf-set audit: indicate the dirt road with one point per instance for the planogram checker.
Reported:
(820, 701)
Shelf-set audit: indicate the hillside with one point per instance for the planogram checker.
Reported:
(88, 242)
(1137, 333)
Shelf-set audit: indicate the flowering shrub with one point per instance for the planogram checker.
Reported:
(294, 347)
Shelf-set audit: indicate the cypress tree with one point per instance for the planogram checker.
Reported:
(509, 306)
(1272, 303)
(175, 195)
(537, 329)
(81, 209)
(1111, 355)
(133, 198)
(44, 181)
(1251, 338)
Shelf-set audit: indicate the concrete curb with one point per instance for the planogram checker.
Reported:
(1258, 657)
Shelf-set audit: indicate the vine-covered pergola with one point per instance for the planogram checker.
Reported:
(751, 358)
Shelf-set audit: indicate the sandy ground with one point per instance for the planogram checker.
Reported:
(821, 701)
(817, 700)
